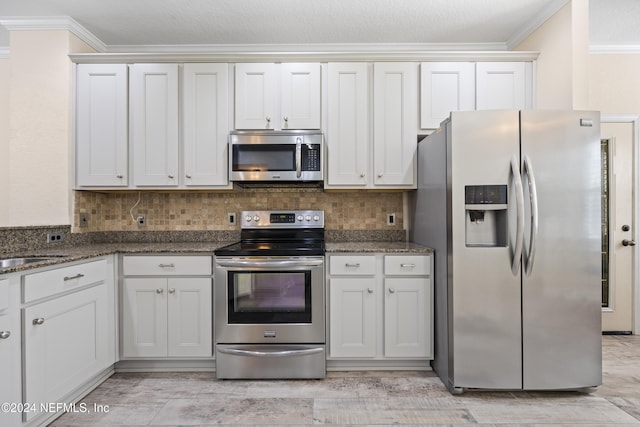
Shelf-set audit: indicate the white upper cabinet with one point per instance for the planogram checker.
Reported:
(503, 85)
(205, 106)
(154, 124)
(445, 87)
(300, 89)
(464, 86)
(347, 137)
(395, 123)
(277, 96)
(255, 89)
(101, 125)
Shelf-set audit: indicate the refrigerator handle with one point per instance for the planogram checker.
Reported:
(517, 252)
(533, 199)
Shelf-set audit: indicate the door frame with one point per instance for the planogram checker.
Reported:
(635, 122)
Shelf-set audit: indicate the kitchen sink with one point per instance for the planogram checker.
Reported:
(16, 261)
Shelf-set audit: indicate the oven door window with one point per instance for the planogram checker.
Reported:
(269, 297)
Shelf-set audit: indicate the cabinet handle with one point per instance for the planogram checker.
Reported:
(392, 291)
(268, 119)
(172, 290)
(362, 175)
(188, 176)
(380, 175)
(119, 176)
(286, 122)
(4, 335)
(77, 276)
(407, 265)
(370, 290)
(170, 176)
(349, 265)
(38, 321)
(159, 291)
(166, 265)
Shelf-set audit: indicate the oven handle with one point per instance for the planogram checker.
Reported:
(270, 263)
(280, 353)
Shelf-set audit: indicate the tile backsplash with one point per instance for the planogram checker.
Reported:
(207, 210)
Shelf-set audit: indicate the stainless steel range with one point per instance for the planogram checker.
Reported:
(270, 298)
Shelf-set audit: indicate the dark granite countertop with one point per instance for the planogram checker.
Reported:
(384, 247)
(80, 252)
(86, 251)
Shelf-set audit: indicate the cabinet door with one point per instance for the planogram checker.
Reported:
(255, 91)
(101, 125)
(144, 317)
(300, 96)
(10, 390)
(205, 124)
(189, 314)
(347, 138)
(501, 86)
(445, 87)
(352, 317)
(407, 317)
(65, 343)
(395, 123)
(154, 123)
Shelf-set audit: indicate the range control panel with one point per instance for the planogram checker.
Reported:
(282, 219)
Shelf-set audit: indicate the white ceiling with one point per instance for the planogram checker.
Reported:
(138, 25)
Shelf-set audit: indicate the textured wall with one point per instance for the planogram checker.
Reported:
(358, 210)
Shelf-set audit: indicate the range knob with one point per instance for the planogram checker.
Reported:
(248, 218)
(256, 218)
(300, 218)
(308, 217)
(316, 218)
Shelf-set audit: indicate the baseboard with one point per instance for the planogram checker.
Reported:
(166, 365)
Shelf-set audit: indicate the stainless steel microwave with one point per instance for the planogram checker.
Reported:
(267, 155)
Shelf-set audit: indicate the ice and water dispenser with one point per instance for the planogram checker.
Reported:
(486, 222)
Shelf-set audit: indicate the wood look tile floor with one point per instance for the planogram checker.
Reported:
(361, 398)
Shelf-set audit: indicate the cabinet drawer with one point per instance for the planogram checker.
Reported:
(51, 282)
(156, 265)
(407, 265)
(4, 294)
(352, 265)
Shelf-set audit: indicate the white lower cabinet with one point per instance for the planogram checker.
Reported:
(166, 316)
(68, 335)
(407, 317)
(10, 389)
(352, 316)
(380, 306)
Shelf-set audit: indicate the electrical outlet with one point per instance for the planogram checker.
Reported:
(141, 220)
(54, 238)
(84, 219)
(231, 218)
(391, 219)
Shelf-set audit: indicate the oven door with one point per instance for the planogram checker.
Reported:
(269, 300)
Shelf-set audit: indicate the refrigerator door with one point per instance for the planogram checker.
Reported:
(561, 292)
(484, 294)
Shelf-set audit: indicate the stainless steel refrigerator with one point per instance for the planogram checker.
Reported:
(511, 203)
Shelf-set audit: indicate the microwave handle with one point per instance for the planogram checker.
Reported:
(298, 157)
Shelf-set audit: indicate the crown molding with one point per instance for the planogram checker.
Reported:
(46, 23)
(306, 48)
(534, 24)
(266, 56)
(614, 49)
(4, 52)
